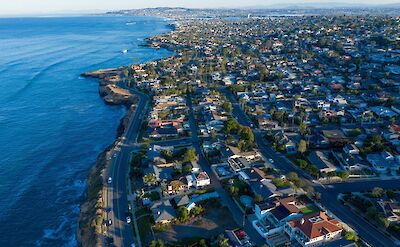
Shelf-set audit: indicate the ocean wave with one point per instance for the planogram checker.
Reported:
(41, 53)
(64, 233)
(36, 76)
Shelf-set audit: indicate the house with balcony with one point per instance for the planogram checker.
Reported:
(316, 229)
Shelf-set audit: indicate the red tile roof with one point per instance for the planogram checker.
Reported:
(316, 225)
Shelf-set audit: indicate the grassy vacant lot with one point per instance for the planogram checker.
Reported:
(309, 209)
(213, 222)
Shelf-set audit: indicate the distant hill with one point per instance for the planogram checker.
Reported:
(325, 5)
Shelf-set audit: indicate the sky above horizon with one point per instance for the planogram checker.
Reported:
(26, 7)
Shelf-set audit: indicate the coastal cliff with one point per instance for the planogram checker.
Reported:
(109, 89)
(92, 212)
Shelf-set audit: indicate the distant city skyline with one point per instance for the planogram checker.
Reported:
(43, 7)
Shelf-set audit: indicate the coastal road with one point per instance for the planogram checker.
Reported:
(122, 232)
(226, 199)
(329, 193)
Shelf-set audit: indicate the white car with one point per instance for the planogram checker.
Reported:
(271, 160)
(109, 180)
(128, 220)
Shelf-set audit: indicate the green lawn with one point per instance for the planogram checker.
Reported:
(144, 224)
(144, 227)
(309, 209)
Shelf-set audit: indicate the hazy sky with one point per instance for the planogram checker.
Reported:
(21, 7)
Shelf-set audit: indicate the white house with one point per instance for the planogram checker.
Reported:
(198, 180)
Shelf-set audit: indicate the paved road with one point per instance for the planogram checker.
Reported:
(122, 232)
(225, 197)
(329, 193)
(366, 230)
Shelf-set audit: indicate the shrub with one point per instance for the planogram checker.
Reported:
(302, 163)
(351, 236)
(377, 192)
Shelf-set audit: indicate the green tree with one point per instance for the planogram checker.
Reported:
(197, 210)
(167, 154)
(190, 155)
(158, 243)
(383, 221)
(242, 145)
(343, 174)
(351, 236)
(231, 126)
(150, 178)
(377, 192)
(317, 196)
(227, 106)
(187, 168)
(257, 198)
(302, 128)
(246, 134)
(213, 134)
(203, 243)
(302, 163)
(302, 146)
(223, 241)
(182, 213)
(292, 176)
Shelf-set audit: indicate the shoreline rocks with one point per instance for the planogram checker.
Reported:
(110, 91)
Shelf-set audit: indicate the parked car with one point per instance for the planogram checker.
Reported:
(109, 180)
(128, 220)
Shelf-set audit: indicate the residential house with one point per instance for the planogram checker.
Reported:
(198, 180)
(391, 209)
(314, 229)
(322, 161)
(273, 215)
(163, 212)
(262, 185)
(164, 132)
(245, 160)
(182, 200)
(383, 161)
(351, 149)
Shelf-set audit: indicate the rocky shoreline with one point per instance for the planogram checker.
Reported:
(108, 86)
(91, 210)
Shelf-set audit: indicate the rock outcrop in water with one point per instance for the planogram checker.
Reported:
(109, 89)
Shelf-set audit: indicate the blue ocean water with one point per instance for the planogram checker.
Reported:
(53, 123)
